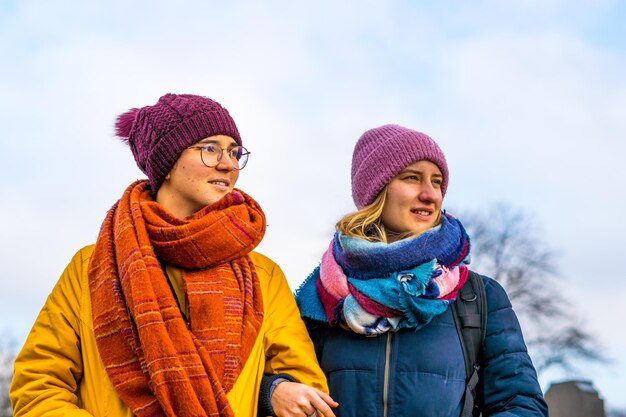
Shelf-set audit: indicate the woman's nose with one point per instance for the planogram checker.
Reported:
(226, 163)
(427, 192)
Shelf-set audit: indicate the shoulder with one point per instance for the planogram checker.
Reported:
(74, 282)
(503, 334)
(263, 263)
(70, 295)
(83, 255)
(78, 266)
(271, 277)
(497, 297)
(501, 318)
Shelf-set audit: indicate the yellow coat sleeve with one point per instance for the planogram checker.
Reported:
(288, 348)
(49, 366)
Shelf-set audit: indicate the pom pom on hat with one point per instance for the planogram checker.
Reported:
(125, 122)
(381, 153)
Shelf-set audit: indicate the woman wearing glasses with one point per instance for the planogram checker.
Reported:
(378, 306)
(171, 313)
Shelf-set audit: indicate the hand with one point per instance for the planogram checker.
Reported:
(292, 399)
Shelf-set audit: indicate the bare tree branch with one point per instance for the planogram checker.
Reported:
(7, 356)
(507, 245)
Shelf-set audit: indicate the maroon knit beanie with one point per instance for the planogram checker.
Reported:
(158, 134)
(381, 153)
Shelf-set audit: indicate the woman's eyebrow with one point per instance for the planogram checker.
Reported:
(415, 171)
(209, 140)
(410, 171)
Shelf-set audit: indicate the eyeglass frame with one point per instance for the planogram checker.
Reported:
(219, 158)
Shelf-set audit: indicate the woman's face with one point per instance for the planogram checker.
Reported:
(191, 185)
(414, 198)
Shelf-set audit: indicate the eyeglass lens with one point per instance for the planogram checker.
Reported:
(211, 155)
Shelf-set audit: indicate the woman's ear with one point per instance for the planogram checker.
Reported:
(169, 174)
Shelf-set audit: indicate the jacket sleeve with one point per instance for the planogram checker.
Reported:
(288, 348)
(49, 366)
(508, 384)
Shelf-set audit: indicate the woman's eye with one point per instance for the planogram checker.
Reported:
(210, 148)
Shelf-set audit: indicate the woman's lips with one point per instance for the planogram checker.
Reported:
(220, 183)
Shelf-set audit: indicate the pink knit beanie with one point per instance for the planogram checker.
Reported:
(158, 134)
(381, 153)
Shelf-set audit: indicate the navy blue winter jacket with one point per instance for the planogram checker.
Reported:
(422, 373)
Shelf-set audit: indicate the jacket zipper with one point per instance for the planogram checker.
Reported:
(386, 375)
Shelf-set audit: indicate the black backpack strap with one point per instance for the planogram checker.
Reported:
(470, 317)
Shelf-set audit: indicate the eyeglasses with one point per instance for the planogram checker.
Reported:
(211, 155)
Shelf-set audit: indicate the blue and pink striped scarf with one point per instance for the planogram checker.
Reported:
(375, 287)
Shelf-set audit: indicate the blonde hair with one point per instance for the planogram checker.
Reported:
(366, 223)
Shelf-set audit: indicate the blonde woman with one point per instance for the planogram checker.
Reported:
(378, 306)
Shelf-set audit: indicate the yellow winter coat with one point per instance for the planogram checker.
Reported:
(59, 371)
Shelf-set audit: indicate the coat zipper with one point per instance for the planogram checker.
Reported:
(386, 375)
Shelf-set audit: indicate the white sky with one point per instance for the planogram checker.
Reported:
(527, 99)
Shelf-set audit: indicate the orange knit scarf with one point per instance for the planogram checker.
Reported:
(159, 364)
